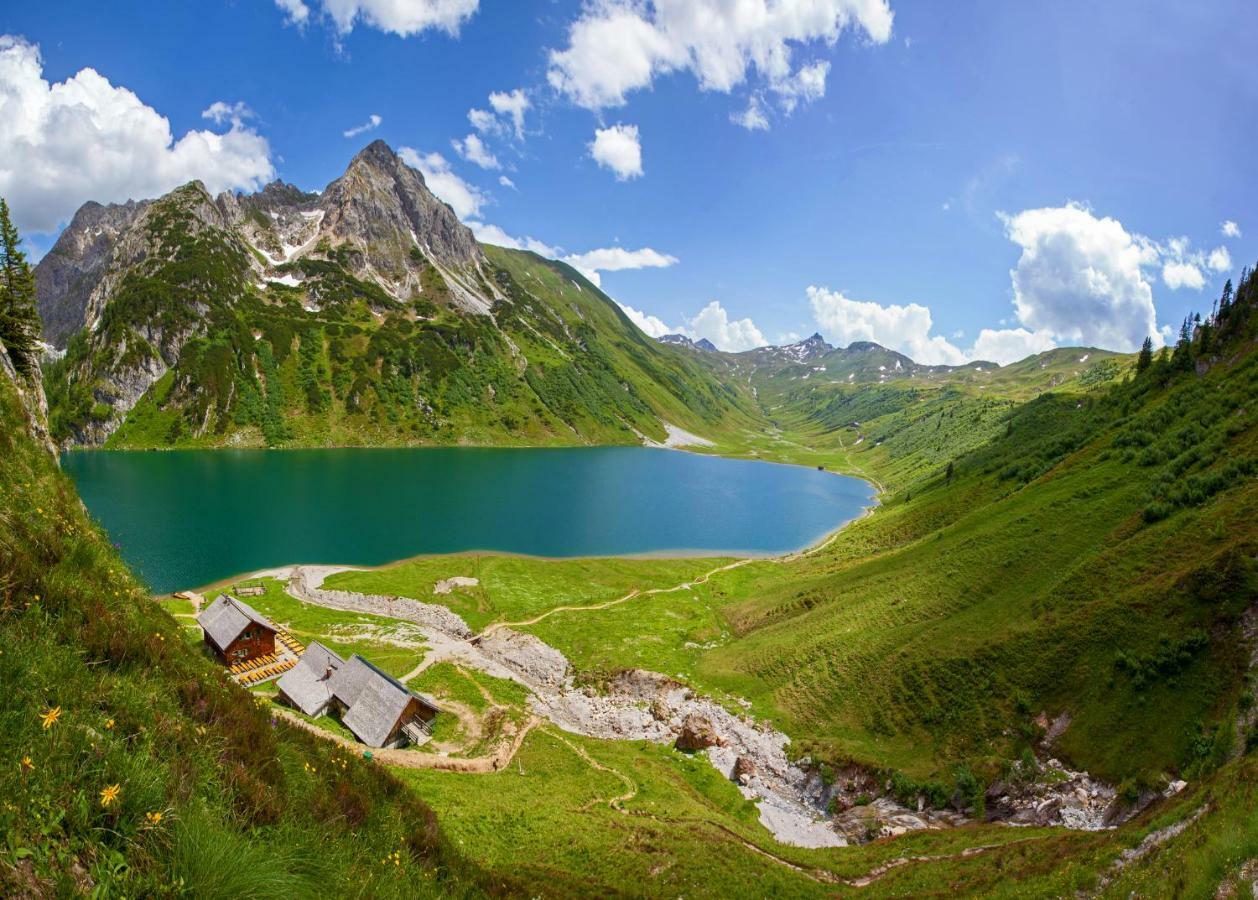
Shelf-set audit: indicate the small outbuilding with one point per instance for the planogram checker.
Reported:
(307, 686)
(235, 631)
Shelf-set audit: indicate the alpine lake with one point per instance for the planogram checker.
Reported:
(190, 517)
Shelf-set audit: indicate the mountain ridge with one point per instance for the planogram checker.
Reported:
(383, 320)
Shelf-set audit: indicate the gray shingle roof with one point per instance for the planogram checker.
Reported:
(374, 700)
(305, 684)
(225, 618)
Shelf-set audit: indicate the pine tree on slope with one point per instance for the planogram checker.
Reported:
(19, 321)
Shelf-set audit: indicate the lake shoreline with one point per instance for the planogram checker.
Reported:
(694, 555)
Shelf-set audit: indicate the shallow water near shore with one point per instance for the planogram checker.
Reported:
(187, 518)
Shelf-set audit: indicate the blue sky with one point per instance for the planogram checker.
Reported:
(916, 172)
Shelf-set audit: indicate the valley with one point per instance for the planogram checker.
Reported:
(1029, 668)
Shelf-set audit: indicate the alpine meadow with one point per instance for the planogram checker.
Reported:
(854, 492)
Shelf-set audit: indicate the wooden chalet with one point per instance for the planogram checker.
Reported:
(375, 706)
(235, 631)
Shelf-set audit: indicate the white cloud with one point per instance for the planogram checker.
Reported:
(372, 123)
(620, 46)
(1219, 260)
(465, 199)
(506, 182)
(401, 17)
(86, 139)
(473, 149)
(491, 234)
(222, 113)
(1006, 345)
(654, 327)
(295, 11)
(752, 118)
(903, 328)
(1176, 275)
(590, 263)
(714, 323)
(512, 105)
(1079, 279)
(482, 120)
(1230, 229)
(617, 259)
(618, 148)
(507, 118)
(804, 86)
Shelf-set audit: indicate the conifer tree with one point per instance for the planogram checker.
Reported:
(19, 321)
(1145, 359)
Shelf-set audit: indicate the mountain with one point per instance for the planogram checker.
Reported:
(681, 340)
(362, 314)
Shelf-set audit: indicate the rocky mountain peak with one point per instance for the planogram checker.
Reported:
(384, 208)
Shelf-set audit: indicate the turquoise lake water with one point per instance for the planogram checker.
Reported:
(186, 518)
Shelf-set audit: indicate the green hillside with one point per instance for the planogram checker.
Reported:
(132, 767)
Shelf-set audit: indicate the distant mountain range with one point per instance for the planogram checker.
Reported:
(362, 314)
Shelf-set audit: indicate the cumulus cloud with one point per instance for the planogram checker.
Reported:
(86, 139)
(506, 182)
(465, 199)
(1176, 275)
(512, 105)
(618, 148)
(903, 328)
(488, 233)
(1080, 280)
(1219, 260)
(295, 11)
(1006, 345)
(590, 263)
(715, 324)
(372, 123)
(401, 17)
(617, 259)
(653, 326)
(619, 46)
(507, 116)
(1230, 229)
(473, 149)
(712, 322)
(752, 118)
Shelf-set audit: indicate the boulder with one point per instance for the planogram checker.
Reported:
(697, 733)
(744, 770)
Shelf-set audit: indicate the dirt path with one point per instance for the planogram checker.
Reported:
(615, 802)
(684, 586)
(416, 759)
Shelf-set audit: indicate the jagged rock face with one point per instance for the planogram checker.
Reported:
(380, 207)
(383, 207)
(68, 274)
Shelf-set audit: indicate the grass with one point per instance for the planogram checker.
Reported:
(212, 799)
(516, 588)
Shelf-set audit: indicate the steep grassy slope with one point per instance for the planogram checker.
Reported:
(130, 766)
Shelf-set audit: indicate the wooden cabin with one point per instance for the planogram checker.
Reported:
(375, 706)
(236, 632)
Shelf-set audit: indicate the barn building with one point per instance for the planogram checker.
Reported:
(235, 631)
(376, 707)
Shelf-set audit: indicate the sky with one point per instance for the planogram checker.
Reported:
(976, 179)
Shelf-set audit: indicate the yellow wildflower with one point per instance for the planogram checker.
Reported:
(110, 794)
(26, 763)
(153, 817)
(50, 716)
(109, 725)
